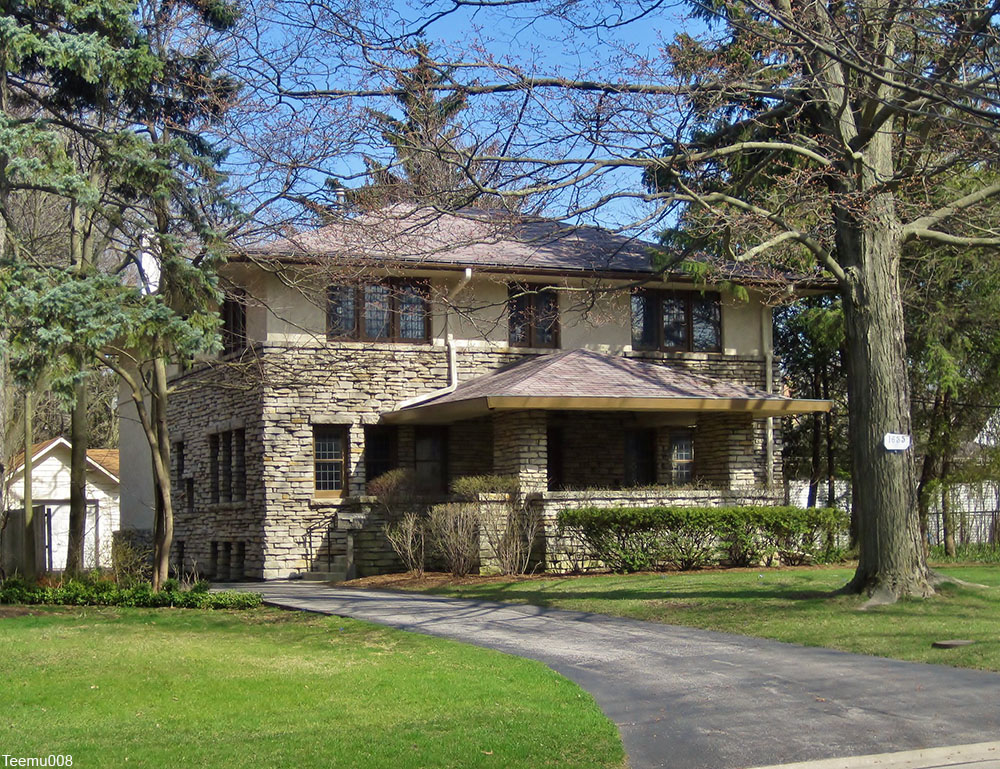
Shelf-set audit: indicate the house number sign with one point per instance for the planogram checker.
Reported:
(896, 441)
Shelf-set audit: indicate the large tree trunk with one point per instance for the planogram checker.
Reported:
(163, 534)
(891, 559)
(79, 440)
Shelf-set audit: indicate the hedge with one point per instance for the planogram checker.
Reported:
(107, 593)
(629, 539)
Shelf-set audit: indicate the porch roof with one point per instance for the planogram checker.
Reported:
(583, 380)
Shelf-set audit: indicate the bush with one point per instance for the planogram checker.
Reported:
(508, 526)
(634, 539)
(407, 537)
(454, 534)
(84, 592)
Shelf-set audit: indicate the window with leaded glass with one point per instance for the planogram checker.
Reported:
(640, 457)
(430, 459)
(381, 450)
(676, 321)
(388, 311)
(681, 457)
(234, 321)
(532, 316)
(330, 457)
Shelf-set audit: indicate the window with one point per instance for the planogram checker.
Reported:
(555, 463)
(330, 453)
(430, 459)
(234, 321)
(640, 457)
(532, 316)
(392, 311)
(178, 458)
(681, 457)
(380, 450)
(227, 466)
(676, 321)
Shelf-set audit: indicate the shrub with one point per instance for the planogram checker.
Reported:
(505, 522)
(75, 592)
(407, 537)
(633, 539)
(131, 563)
(454, 534)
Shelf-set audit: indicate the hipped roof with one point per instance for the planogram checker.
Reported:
(584, 380)
(408, 236)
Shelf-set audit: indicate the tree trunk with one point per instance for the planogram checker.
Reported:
(29, 564)
(79, 440)
(831, 484)
(816, 460)
(164, 528)
(947, 521)
(929, 471)
(891, 559)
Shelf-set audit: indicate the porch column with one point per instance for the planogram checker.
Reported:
(520, 448)
(725, 454)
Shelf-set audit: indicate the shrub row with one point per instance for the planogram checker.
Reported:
(631, 539)
(107, 593)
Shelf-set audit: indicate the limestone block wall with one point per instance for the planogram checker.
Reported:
(219, 539)
(562, 552)
(520, 448)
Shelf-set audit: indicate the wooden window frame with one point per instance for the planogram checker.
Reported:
(658, 296)
(392, 460)
(442, 434)
(675, 436)
(396, 287)
(234, 321)
(533, 292)
(345, 437)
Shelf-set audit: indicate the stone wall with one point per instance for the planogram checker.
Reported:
(276, 396)
(565, 553)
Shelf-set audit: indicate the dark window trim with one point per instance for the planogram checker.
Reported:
(395, 286)
(234, 321)
(391, 432)
(533, 292)
(641, 443)
(438, 433)
(345, 437)
(675, 436)
(657, 296)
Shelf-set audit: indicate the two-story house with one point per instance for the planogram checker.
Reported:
(461, 345)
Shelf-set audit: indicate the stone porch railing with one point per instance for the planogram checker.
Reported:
(562, 553)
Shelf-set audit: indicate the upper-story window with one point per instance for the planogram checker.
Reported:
(532, 316)
(677, 321)
(389, 311)
(234, 321)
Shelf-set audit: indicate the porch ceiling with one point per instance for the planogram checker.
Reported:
(582, 380)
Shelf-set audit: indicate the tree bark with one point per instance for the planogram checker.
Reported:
(164, 530)
(928, 471)
(816, 460)
(29, 565)
(891, 559)
(79, 440)
(947, 520)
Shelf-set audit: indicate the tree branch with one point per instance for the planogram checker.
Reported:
(919, 228)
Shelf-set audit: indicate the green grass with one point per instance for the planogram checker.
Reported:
(188, 688)
(792, 605)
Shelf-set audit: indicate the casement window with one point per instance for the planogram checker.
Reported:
(681, 457)
(234, 321)
(389, 311)
(676, 321)
(430, 459)
(177, 457)
(640, 457)
(227, 466)
(330, 448)
(532, 316)
(381, 450)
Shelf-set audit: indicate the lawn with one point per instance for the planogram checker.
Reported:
(792, 605)
(155, 688)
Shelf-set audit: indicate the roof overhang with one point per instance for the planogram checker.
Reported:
(456, 411)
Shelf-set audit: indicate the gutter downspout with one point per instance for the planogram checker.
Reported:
(452, 356)
(768, 349)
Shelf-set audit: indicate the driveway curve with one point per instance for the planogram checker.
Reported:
(695, 699)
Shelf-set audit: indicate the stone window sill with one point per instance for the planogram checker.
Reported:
(240, 505)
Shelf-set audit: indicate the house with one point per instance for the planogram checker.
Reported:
(456, 345)
(50, 474)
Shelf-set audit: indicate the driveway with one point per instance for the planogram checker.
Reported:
(695, 699)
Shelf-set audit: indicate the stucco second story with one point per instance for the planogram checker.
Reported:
(491, 282)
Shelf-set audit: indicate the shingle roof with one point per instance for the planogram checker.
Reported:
(590, 380)
(485, 239)
(107, 459)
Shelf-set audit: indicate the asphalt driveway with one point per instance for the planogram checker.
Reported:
(696, 699)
